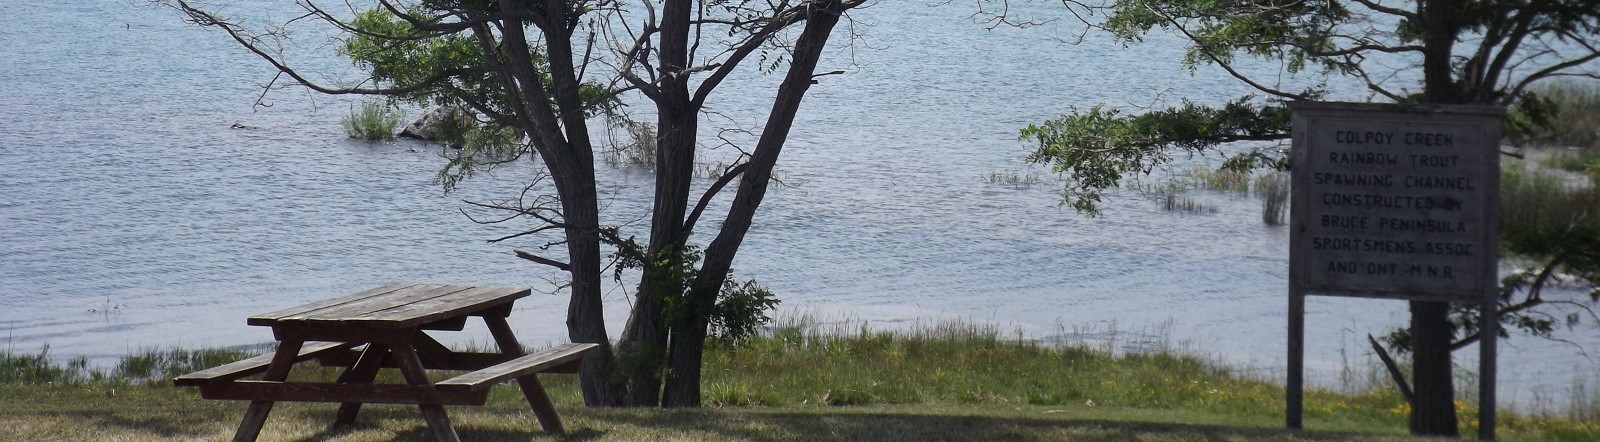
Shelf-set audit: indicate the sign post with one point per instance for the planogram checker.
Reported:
(1394, 202)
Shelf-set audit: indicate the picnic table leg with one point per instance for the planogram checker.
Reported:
(362, 372)
(278, 370)
(532, 390)
(411, 368)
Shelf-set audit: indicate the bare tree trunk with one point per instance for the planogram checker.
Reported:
(644, 339)
(689, 333)
(585, 311)
(562, 140)
(1433, 410)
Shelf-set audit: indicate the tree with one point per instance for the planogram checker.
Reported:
(521, 67)
(1467, 52)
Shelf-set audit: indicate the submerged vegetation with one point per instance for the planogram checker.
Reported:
(1016, 180)
(881, 380)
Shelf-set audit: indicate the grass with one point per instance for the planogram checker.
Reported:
(373, 121)
(947, 382)
(1534, 203)
(1273, 188)
(1221, 180)
(1576, 114)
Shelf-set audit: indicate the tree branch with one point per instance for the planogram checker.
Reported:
(705, 199)
(1394, 370)
(546, 261)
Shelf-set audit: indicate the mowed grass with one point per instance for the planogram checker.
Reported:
(949, 382)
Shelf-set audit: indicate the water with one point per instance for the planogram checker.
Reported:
(135, 216)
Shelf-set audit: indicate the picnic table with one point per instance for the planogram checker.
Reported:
(388, 327)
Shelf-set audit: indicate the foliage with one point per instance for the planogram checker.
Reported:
(450, 69)
(1584, 161)
(1097, 149)
(1561, 114)
(373, 121)
(740, 310)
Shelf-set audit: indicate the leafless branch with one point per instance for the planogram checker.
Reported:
(546, 261)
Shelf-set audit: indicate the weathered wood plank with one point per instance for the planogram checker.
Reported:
(278, 371)
(265, 319)
(336, 333)
(246, 367)
(459, 361)
(532, 390)
(330, 392)
(363, 371)
(400, 306)
(532, 363)
(409, 295)
(453, 305)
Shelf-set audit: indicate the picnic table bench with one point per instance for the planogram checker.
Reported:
(389, 325)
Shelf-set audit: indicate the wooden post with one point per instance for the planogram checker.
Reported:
(1294, 389)
(411, 368)
(362, 372)
(532, 390)
(1488, 340)
(256, 415)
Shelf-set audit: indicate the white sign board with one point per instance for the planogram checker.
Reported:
(1395, 201)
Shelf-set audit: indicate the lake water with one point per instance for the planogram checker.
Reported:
(134, 216)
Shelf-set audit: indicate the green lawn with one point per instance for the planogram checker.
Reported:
(952, 382)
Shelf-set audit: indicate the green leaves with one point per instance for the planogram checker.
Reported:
(739, 311)
(1096, 149)
(1295, 32)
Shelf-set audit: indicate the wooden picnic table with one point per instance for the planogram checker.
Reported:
(388, 327)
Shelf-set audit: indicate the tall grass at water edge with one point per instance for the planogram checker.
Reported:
(1575, 120)
(153, 367)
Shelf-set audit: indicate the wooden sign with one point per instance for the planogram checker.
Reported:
(1395, 202)
(1399, 202)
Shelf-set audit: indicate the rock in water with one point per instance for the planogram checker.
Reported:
(428, 127)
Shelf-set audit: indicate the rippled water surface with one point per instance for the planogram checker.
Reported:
(135, 216)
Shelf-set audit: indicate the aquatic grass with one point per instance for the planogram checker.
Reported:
(1537, 205)
(160, 366)
(1222, 180)
(36, 369)
(372, 121)
(635, 147)
(1575, 120)
(1273, 189)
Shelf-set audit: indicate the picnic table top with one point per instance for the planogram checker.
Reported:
(393, 306)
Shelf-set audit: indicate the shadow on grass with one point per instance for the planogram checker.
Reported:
(834, 424)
